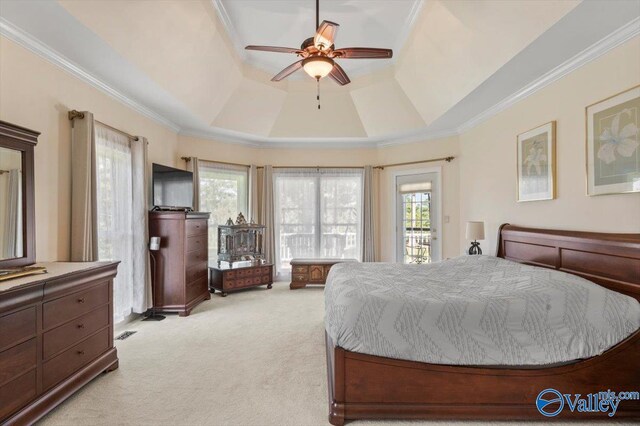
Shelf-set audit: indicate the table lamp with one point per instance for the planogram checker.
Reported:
(475, 232)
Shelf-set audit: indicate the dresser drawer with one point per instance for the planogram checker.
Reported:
(245, 272)
(61, 310)
(247, 282)
(60, 338)
(196, 257)
(196, 272)
(74, 358)
(17, 360)
(15, 394)
(196, 288)
(197, 243)
(265, 270)
(17, 327)
(253, 272)
(196, 227)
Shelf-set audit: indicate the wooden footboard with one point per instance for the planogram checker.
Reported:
(371, 387)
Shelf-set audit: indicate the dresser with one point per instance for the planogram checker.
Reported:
(179, 268)
(242, 275)
(56, 335)
(312, 271)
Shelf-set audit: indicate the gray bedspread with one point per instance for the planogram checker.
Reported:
(474, 310)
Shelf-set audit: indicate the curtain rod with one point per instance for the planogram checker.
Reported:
(447, 159)
(187, 159)
(381, 167)
(77, 114)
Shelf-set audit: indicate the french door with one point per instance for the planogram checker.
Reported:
(417, 236)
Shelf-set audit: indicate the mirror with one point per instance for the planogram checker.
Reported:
(11, 224)
(17, 212)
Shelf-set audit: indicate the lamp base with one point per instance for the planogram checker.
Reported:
(475, 248)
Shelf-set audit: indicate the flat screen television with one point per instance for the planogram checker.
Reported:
(172, 188)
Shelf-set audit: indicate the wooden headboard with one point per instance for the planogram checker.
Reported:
(611, 260)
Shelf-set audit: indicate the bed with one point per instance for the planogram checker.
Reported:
(374, 378)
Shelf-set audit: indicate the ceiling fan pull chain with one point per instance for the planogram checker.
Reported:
(318, 94)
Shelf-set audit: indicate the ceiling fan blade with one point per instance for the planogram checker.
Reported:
(338, 75)
(325, 35)
(288, 71)
(273, 49)
(362, 53)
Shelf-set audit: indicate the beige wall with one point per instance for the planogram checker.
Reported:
(212, 150)
(488, 156)
(36, 94)
(479, 184)
(450, 190)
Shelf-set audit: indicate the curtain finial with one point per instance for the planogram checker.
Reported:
(75, 114)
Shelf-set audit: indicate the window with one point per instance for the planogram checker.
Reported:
(416, 218)
(223, 193)
(115, 213)
(416, 226)
(318, 213)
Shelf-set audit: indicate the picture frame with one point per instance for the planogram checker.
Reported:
(613, 144)
(536, 163)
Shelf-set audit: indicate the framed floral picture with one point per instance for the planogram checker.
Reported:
(537, 163)
(613, 139)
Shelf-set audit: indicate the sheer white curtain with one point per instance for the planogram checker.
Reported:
(317, 213)
(114, 197)
(121, 194)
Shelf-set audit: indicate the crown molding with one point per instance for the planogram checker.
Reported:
(34, 45)
(224, 17)
(245, 139)
(623, 34)
(613, 40)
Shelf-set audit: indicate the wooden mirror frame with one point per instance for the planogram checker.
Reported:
(24, 140)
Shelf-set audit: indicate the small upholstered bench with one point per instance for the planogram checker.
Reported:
(312, 271)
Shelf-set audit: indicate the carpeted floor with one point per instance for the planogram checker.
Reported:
(252, 358)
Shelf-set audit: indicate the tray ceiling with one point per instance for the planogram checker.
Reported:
(363, 23)
(182, 62)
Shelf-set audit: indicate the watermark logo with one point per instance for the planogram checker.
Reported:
(550, 402)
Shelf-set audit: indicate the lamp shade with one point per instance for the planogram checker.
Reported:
(317, 66)
(475, 230)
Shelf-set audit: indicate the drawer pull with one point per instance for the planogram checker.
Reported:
(80, 352)
(80, 325)
(81, 300)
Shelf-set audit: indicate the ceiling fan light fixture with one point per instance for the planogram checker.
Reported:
(317, 66)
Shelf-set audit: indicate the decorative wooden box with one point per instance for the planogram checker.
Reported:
(312, 271)
(248, 274)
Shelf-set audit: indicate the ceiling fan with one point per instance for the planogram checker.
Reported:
(318, 54)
